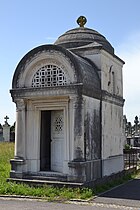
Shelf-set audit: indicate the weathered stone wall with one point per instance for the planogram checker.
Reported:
(92, 129)
(111, 130)
(111, 72)
(112, 138)
(92, 138)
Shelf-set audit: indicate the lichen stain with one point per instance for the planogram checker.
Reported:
(78, 117)
(92, 135)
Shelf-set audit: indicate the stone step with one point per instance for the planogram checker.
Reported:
(52, 176)
(48, 182)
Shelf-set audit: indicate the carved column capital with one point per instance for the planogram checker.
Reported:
(20, 104)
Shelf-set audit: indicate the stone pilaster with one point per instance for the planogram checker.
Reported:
(18, 163)
(78, 165)
(79, 129)
(20, 129)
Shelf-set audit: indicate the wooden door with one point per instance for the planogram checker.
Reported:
(57, 140)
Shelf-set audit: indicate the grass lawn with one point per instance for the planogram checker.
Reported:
(46, 192)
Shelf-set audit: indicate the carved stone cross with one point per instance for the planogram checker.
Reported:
(6, 118)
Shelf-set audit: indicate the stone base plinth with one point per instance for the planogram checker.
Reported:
(17, 168)
(84, 171)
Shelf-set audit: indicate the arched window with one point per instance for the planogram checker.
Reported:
(48, 76)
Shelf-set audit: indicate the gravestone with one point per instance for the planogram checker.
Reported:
(1, 133)
(132, 132)
(6, 130)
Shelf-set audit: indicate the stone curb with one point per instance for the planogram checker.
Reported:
(72, 201)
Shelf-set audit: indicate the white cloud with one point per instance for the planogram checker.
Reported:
(129, 51)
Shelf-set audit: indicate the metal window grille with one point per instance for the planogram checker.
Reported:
(49, 75)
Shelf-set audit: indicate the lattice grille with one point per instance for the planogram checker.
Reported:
(49, 75)
(58, 124)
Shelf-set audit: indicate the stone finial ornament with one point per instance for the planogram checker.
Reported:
(81, 21)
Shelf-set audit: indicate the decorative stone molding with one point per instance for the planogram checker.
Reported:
(20, 105)
(41, 59)
(112, 98)
(29, 93)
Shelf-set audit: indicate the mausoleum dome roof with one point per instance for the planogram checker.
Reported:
(82, 36)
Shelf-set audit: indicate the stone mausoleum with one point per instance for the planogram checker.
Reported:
(69, 109)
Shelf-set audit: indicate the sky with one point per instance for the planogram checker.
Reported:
(25, 24)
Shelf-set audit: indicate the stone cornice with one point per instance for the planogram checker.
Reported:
(80, 89)
(28, 93)
(112, 98)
